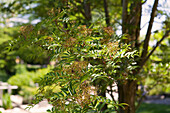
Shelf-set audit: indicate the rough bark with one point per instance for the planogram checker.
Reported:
(127, 94)
(127, 89)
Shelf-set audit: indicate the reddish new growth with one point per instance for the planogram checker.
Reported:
(71, 42)
(83, 91)
(26, 30)
(112, 48)
(83, 30)
(108, 30)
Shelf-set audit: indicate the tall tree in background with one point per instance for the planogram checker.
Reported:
(131, 26)
(107, 17)
(131, 21)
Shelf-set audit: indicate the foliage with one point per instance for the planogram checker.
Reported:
(38, 9)
(86, 56)
(6, 101)
(3, 76)
(158, 78)
(27, 80)
(161, 55)
(7, 59)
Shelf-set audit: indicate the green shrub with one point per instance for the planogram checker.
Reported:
(158, 78)
(6, 101)
(27, 78)
(87, 56)
(3, 76)
(27, 93)
(26, 81)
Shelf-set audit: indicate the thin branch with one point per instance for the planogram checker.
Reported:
(147, 38)
(154, 48)
(21, 107)
(62, 29)
(140, 101)
(144, 25)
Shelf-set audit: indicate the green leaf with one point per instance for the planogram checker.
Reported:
(71, 93)
(49, 110)
(71, 85)
(100, 106)
(83, 78)
(60, 93)
(64, 90)
(56, 94)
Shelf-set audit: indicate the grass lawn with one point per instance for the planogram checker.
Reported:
(153, 108)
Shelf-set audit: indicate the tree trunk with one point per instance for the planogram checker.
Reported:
(87, 11)
(127, 93)
(106, 13)
(127, 89)
(124, 16)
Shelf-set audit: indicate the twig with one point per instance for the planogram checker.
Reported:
(154, 48)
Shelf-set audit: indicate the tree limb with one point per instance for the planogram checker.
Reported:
(154, 48)
(147, 38)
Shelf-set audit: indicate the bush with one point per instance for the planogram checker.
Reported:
(26, 81)
(87, 56)
(6, 101)
(158, 78)
(3, 76)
